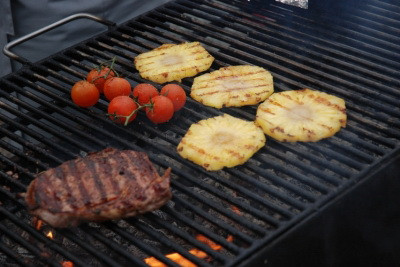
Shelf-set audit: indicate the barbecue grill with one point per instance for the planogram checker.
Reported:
(325, 203)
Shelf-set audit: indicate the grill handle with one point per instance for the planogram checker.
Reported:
(7, 47)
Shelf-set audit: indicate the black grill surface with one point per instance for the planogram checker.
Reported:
(353, 54)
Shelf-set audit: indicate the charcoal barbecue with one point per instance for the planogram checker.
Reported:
(327, 203)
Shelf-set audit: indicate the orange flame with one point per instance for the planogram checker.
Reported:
(50, 235)
(67, 264)
(179, 259)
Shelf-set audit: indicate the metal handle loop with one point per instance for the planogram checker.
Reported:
(7, 47)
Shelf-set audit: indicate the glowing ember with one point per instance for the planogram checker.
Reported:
(179, 259)
(236, 210)
(37, 223)
(208, 242)
(198, 253)
(67, 264)
(50, 235)
(175, 257)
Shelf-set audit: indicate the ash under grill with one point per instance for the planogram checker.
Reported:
(354, 55)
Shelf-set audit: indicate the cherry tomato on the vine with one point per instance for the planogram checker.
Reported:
(160, 110)
(176, 94)
(116, 86)
(121, 107)
(144, 92)
(99, 76)
(85, 94)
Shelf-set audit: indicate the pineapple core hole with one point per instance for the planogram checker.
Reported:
(300, 112)
(171, 60)
(222, 138)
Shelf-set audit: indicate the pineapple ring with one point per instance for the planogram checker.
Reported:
(233, 86)
(171, 62)
(301, 115)
(222, 141)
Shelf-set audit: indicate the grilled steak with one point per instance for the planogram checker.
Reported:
(109, 184)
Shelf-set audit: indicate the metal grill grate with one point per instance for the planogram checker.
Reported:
(354, 56)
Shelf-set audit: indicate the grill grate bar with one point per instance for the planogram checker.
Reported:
(184, 252)
(148, 249)
(360, 32)
(8, 147)
(327, 45)
(113, 245)
(382, 11)
(297, 163)
(389, 11)
(217, 238)
(52, 119)
(9, 179)
(291, 49)
(33, 249)
(223, 225)
(338, 32)
(10, 253)
(188, 237)
(39, 237)
(88, 247)
(304, 152)
(27, 144)
(32, 120)
(231, 215)
(11, 196)
(387, 130)
(35, 135)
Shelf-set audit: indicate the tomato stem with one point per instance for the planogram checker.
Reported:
(127, 117)
(110, 68)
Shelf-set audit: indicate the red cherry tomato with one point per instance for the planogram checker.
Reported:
(144, 92)
(85, 94)
(176, 94)
(161, 109)
(116, 86)
(96, 77)
(121, 107)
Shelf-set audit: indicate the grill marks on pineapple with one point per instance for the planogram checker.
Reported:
(222, 141)
(302, 115)
(233, 86)
(171, 62)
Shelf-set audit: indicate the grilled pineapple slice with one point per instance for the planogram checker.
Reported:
(233, 86)
(173, 62)
(301, 115)
(222, 141)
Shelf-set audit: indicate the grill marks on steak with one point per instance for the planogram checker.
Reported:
(109, 184)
